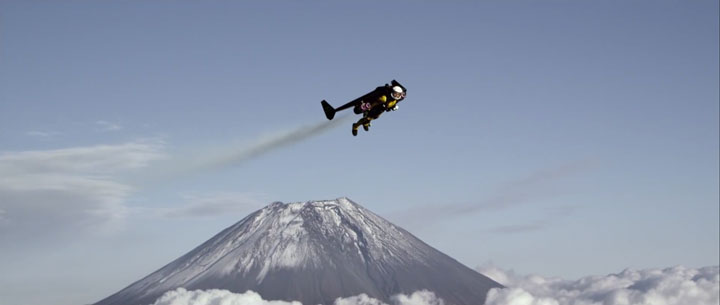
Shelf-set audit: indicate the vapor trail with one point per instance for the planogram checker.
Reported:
(224, 157)
(268, 143)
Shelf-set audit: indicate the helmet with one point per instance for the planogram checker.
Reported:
(397, 93)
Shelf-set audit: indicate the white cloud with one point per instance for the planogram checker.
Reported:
(422, 297)
(215, 205)
(99, 159)
(67, 190)
(533, 187)
(108, 126)
(516, 296)
(181, 296)
(43, 134)
(362, 299)
(671, 286)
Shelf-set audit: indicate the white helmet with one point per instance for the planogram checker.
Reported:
(397, 93)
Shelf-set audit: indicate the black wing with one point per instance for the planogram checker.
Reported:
(330, 111)
(357, 101)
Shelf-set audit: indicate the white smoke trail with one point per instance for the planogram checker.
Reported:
(233, 155)
(266, 144)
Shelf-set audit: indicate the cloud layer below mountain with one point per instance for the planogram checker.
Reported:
(181, 296)
(670, 286)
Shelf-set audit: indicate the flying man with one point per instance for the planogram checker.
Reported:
(371, 105)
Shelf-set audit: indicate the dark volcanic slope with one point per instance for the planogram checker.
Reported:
(314, 252)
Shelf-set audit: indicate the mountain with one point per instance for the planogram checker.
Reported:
(313, 252)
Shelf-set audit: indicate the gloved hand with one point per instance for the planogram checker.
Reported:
(395, 108)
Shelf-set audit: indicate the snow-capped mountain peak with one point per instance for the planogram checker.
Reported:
(312, 251)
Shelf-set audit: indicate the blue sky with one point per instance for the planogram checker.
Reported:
(560, 138)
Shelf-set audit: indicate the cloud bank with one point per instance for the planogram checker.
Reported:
(181, 296)
(670, 286)
(67, 190)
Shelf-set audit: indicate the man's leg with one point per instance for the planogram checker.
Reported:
(366, 125)
(364, 122)
(356, 125)
(369, 118)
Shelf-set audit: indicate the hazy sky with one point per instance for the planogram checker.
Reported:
(563, 138)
